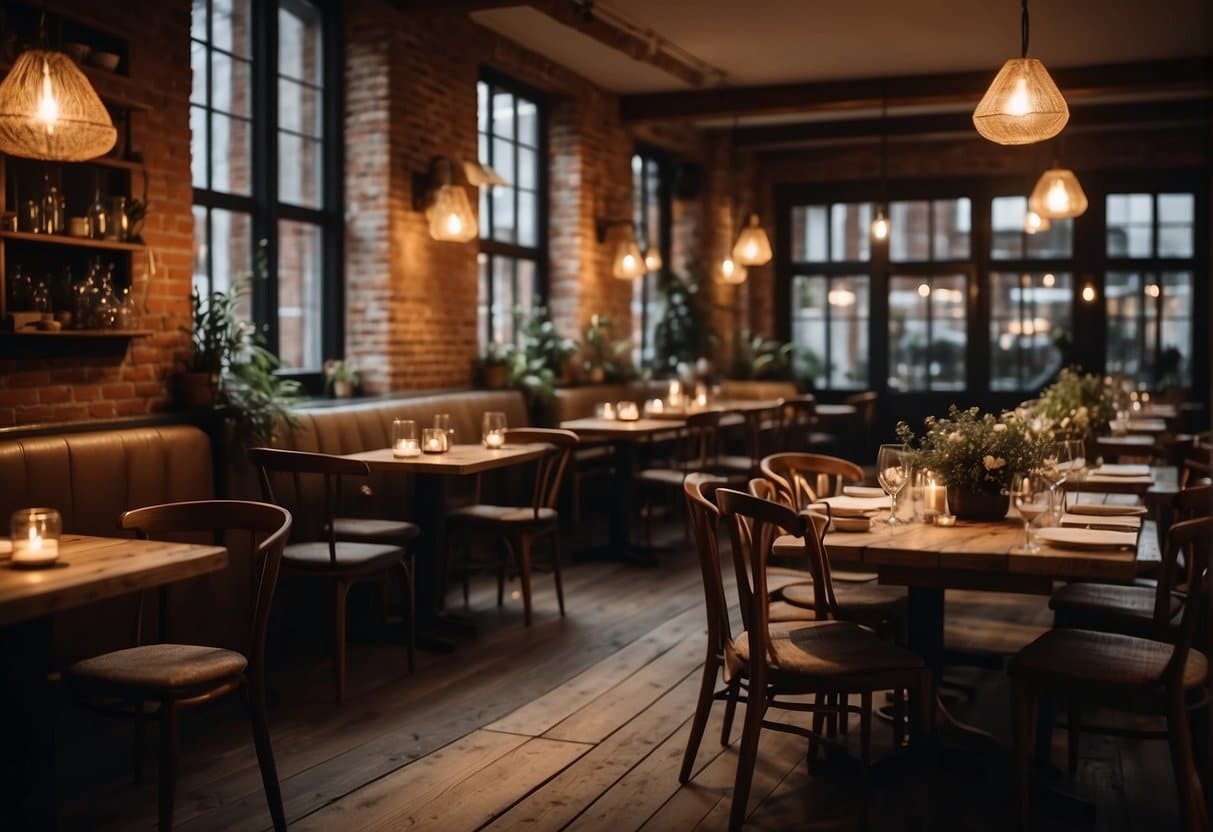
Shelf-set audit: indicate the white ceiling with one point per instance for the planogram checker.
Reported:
(776, 41)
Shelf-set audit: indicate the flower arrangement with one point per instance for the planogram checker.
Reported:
(977, 452)
(1077, 405)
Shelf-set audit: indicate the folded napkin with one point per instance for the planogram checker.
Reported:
(1071, 538)
(1117, 521)
(1113, 470)
(863, 491)
(1106, 510)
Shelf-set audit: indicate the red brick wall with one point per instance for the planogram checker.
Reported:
(89, 387)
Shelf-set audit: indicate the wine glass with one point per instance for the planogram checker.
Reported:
(1077, 465)
(1055, 469)
(892, 471)
(1029, 493)
(442, 422)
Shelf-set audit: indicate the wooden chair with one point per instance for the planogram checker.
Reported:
(517, 528)
(800, 425)
(757, 424)
(1144, 611)
(1087, 669)
(342, 562)
(170, 678)
(864, 428)
(828, 659)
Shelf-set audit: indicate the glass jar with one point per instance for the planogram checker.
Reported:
(35, 534)
(54, 209)
(493, 429)
(31, 216)
(40, 300)
(127, 314)
(20, 291)
(98, 218)
(404, 438)
(118, 224)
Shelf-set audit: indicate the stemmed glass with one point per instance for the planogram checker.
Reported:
(1076, 465)
(1055, 470)
(893, 472)
(1029, 492)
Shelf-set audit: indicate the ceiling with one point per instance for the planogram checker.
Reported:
(778, 41)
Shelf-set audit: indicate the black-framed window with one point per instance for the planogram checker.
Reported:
(512, 132)
(1149, 286)
(267, 190)
(651, 221)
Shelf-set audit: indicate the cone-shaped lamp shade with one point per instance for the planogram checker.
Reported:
(1058, 195)
(752, 247)
(652, 260)
(49, 110)
(880, 225)
(480, 175)
(450, 215)
(629, 262)
(1022, 105)
(732, 272)
(1034, 223)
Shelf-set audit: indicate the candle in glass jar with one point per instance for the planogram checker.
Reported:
(674, 394)
(627, 411)
(653, 406)
(434, 441)
(404, 438)
(701, 395)
(405, 448)
(605, 410)
(35, 536)
(494, 439)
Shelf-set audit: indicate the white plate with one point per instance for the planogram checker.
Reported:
(1106, 522)
(1067, 538)
(1106, 510)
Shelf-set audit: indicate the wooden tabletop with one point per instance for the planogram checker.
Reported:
(1147, 426)
(93, 568)
(835, 411)
(1134, 440)
(616, 429)
(718, 406)
(460, 460)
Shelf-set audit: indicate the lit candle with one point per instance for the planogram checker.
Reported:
(35, 536)
(674, 394)
(627, 411)
(405, 448)
(434, 440)
(654, 406)
(701, 395)
(605, 410)
(945, 520)
(494, 439)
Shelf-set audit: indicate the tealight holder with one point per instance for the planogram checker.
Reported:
(674, 394)
(434, 441)
(653, 407)
(627, 411)
(404, 438)
(701, 395)
(493, 432)
(604, 410)
(35, 534)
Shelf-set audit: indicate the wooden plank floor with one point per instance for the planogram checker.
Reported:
(575, 723)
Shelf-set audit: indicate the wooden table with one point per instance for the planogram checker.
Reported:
(835, 411)
(429, 496)
(624, 437)
(89, 569)
(1146, 425)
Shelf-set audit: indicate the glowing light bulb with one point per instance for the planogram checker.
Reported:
(1152, 290)
(880, 227)
(731, 272)
(1048, 280)
(454, 225)
(652, 260)
(1019, 103)
(1034, 222)
(1057, 200)
(629, 262)
(924, 290)
(48, 107)
(1088, 293)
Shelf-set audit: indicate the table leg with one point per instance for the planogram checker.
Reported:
(27, 770)
(434, 625)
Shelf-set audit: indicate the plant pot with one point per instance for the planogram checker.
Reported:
(196, 390)
(976, 506)
(343, 389)
(495, 376)
(597, 375)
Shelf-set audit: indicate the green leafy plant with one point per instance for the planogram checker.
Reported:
(537, 364)
(613, 357)
(978, 452)
(1077, 405)
(684, 333)
(338, 372)
(764, 358)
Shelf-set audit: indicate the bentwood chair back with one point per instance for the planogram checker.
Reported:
(173, 677)
(804, 478)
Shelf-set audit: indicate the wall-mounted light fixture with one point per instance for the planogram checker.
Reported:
(480, 175)
(445, 202)
(629, 263)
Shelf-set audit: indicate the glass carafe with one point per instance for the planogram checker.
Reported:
(98, 217)
(40, 300)
(20, 291)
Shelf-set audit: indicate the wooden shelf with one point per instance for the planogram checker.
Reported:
(68, 343)
(77, 333)
(111, 87)
(74, 242)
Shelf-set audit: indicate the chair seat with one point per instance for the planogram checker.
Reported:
(662, 476)
(161, 667)
(862, 602)
(1086, 657)
(314, 556)
(735, 462)
(780, 577)
(831, 648)
(495, 515)
(1118, 606)
(594, 453)
(366, 530)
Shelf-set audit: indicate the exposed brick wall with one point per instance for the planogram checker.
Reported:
(89, 387)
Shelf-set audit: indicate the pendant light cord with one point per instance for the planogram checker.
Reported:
(1024, 30)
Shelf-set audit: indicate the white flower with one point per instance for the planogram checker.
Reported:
(993, 463)
(954, 436)
(1000, 427)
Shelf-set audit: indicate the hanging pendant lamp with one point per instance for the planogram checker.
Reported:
(881, 225)
(752, 248)
(50, 111)
(1022, 105)
(731, 272)
(1058, 195)
(629, 262)
(1034, 223)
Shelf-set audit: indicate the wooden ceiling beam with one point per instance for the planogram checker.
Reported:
(909, 90)
(452, 6)
(1090, 116)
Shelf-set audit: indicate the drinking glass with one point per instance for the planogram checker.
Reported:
(1055, 469)
(1028, 496)
(1076, 467)
(434, 441)
(442, 421)
(493, 429)
(404, 438)
(892, 470)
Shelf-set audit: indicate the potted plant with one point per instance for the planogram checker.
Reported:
(684, 333)
(975, 454)
(215, 336)
(606, 359)
(493, 368)
(1076, 406)
(340, 377)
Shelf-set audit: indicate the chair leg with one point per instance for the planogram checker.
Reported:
(1024, 733)
(265, 755)
(703, 707)
(556, 570)
(505, 552)
(865, 727)
(341, 591)
(140, 740)
(747, 755)
(523, 553)
(1192, 809)
(844, 718)
(168, 764)
(730, 708)
(820, 700)
(899, 718)
(408, 599)
(1073, 732)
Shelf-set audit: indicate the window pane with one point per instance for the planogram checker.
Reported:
(1125, 332)
(1006, 220)
(1174, 363)
(503, 299)
(300, 295)
(231, 90)
(230, 251)
(300, 108)
(528, 123)
(1057, 242)
(528, 171)
(524, 286)
(528, 219)
(198, 66)
(1175, 219)
(198, 150)
(948, 336)
(202, 254)
(1027, 313)
(810, 232)
(300, 43)
(1130, 225)
(482, 302)
(300, 179)
(910, 235)
(830, 325)
(231, 157)
(231, 26)
(850, 231)
(198, 16)
(927, 333)
(809, 327)
(953, 228)
(503, 115)
(503, 213)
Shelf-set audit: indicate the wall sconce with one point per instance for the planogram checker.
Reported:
(480, 175)
(446, 204)
(629, 263)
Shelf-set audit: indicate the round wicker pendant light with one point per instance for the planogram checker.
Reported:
(1058, 195)
(50, 111)
(1022, 105)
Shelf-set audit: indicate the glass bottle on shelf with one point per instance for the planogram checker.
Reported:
(53, 208)
(80, 301)
(107, 303)
(98, 217)
(92, 296)
(20, 290)
(31, 216)
(40, 300)
(127, 314)
(118, 224)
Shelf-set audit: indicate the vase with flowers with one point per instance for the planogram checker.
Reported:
(1076, 406)
(975, 455)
